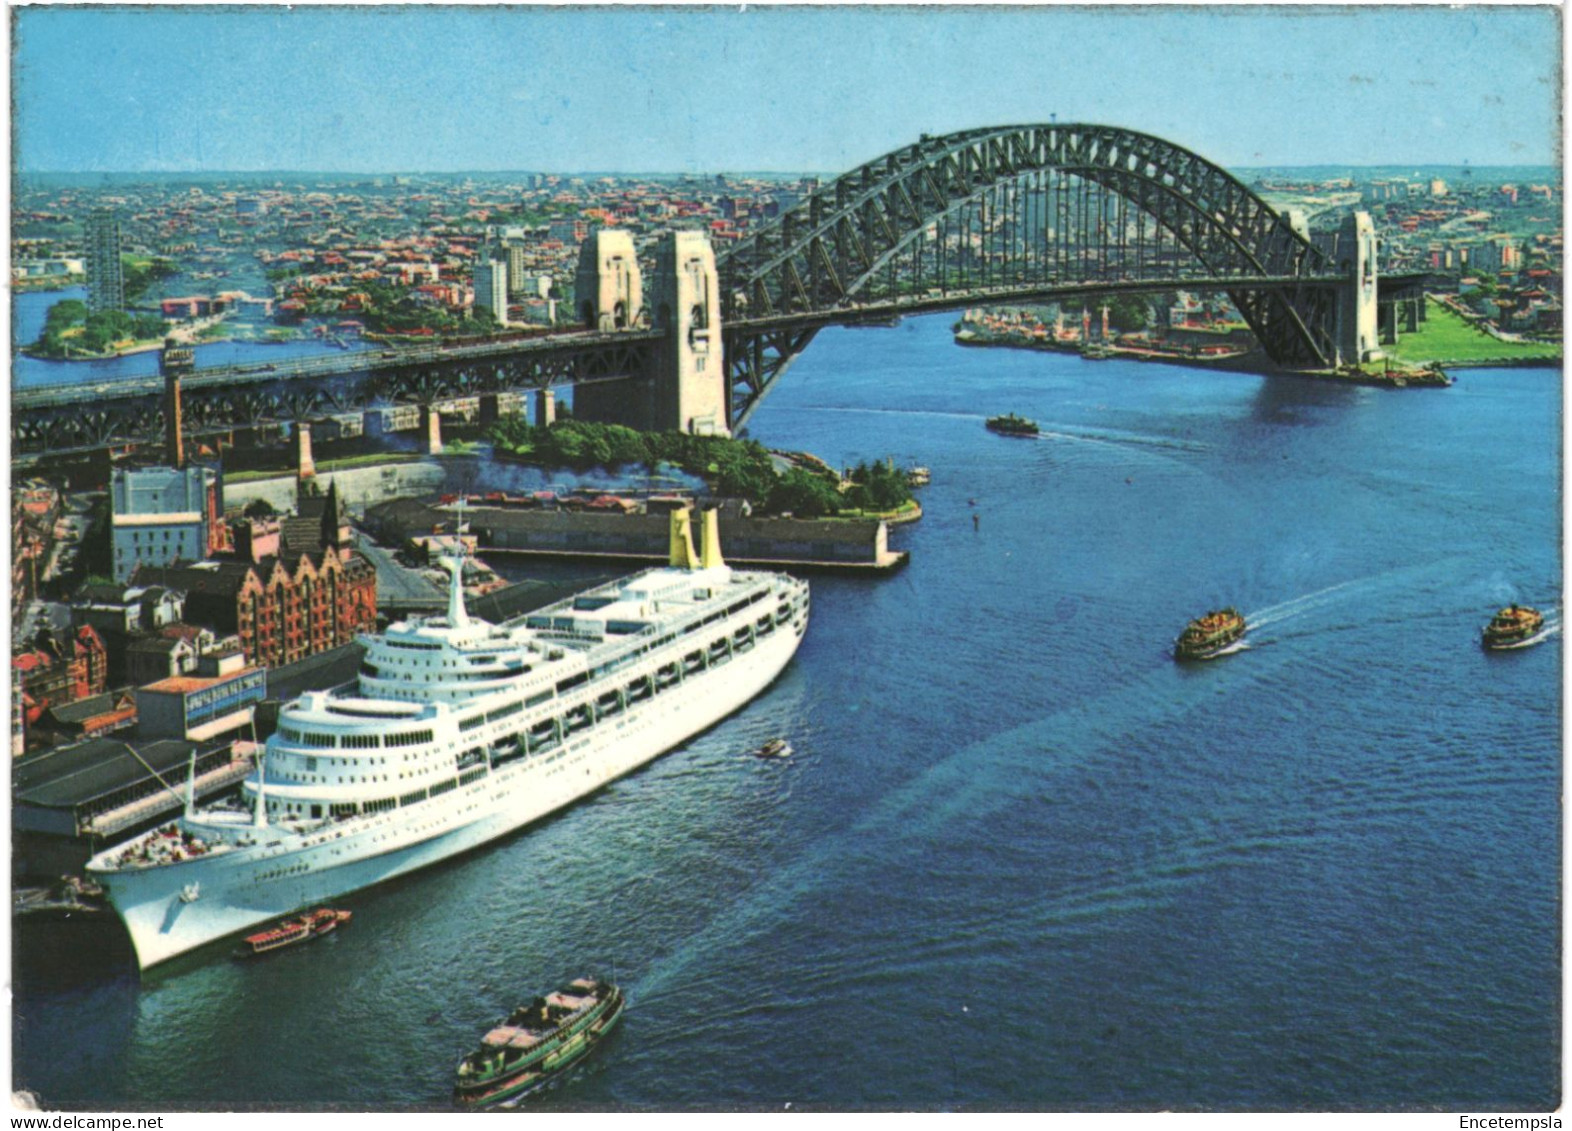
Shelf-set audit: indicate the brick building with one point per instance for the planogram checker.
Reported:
(56, 672)
(291, 589)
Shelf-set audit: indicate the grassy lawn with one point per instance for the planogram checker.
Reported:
(903, 513)
(1445, 337)
(325, 467)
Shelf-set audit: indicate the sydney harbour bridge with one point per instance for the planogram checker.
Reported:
(996, 215)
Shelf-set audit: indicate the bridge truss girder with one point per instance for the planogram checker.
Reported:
(222, 402)
(822, 253)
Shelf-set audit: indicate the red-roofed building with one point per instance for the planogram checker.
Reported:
(54, 673)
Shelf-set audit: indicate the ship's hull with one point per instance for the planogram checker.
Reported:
(170, 910)
(1507, 643)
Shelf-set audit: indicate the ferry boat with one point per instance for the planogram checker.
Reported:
(537, 1042)
(1516, 626)
(1011, 425)
(455, 732)
(1210, 636)
(299, 929)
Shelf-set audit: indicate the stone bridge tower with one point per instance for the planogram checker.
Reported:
(690, 385)
(686, 392)
(1357, 311)
(607, 291)
(608, 294)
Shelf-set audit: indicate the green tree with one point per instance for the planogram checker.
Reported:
(804, 494)
(140, 274)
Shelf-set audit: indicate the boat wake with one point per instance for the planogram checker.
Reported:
(1297, 607)
(1118, 439)
(1240, 645)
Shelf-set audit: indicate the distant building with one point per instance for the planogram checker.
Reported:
(162, 515)
(106, 289)
(530, 286)
(292, 588)
(54, 673)
(123, 615)
(216, 702)
(152, 658)
(491, 286)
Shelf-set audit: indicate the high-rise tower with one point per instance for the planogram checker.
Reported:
(106, 288)
(491, 284)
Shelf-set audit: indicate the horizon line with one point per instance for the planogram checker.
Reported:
(19, 173)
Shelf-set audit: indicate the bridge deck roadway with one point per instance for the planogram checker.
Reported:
(331, 365)
(935, 302)
(439, 356)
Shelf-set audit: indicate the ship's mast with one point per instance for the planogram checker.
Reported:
(458, 616)
(261, 810)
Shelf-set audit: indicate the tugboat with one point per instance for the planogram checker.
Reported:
(1516, 626)
(537, 1042)
(299, 929)
(1208, 637)
(1011, 425)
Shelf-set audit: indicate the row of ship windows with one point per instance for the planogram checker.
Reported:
(381, 804)
(354, 741)
(407, 738)
(557, 729)
(375, 672)
(548, 733)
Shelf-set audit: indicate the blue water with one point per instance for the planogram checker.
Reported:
(1020, 858)
(27, 322)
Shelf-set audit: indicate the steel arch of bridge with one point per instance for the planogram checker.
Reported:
(817, 256)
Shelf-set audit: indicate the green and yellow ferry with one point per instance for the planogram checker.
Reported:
(537, 1042)
(1011, 425)
(1516, 626)
(1210, 636)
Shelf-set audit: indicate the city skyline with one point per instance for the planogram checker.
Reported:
(681, 90)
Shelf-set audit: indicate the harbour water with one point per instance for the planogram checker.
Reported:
(29, 308)
(1019, 858)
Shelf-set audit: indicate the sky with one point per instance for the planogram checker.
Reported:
(773, 89)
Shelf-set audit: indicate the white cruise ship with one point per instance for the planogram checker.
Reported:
(456, 732)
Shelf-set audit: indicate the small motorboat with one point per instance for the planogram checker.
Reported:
(537, 1042)
(1516, 626)
(774, 748)
(298, 929)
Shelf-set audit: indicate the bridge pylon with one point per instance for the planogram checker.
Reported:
(690, 383)
(684, 388)
(1357, 335)
(608, 289)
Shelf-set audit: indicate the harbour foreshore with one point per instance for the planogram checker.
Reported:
(840, 545)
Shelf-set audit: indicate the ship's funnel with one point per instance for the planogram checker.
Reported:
(682, 555)
(709, 553)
